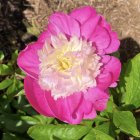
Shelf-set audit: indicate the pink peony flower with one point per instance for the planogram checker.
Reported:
(68, 69)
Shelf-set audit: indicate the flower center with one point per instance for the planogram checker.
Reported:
(64, 63)
(68, 66)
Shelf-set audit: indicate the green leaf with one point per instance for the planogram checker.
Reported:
(5, 83)
(29, 120)
(130, 83)
(97, 135)
(43, 119)
(5, 69)
(14, 88)
(1, 56)
(7, 136)
(51, 132)
(108, 128)
(14, 123)
(125, 121)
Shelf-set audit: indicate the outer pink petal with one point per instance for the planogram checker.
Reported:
(109, 73)
(98, 97)
(104, 80)
(65, 108)
(60, 23)
(91, 115)
(82, 14)
(113, 67)
(36, 97)
(46, 34)
(89, 27)
(28, 59)
(95, 28)
(65, 24)
(115, 43)
(101, 38)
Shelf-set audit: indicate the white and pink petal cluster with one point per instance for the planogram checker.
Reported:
(69, 69)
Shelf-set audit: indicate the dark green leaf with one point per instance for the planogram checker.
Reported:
(7, 136)
(14, 123)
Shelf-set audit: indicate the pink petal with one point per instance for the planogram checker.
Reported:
(64, 108)
(113, 67)
(101, 38)
(36, 97)
(46, 34)
(60, 23)
(65, 24)
(109, 73)
(101, 105)
(98, 97)
(104, 80)
(82, 14)
(89, 27)
(91, 115)
(95, 28)
(114, 43)
(28, 59)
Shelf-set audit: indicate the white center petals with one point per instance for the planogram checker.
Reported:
(68, 66)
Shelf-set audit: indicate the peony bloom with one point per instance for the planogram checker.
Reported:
(69, 69)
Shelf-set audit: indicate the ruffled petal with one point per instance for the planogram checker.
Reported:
(36, 97)
(28, 59)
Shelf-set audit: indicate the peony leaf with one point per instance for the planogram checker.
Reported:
(107, 128)
(52, 132)
(125, 121)
(97, 135)
(5, 83)
(129, 85)
(5, 69)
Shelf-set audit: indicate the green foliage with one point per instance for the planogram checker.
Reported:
(125, 121)
(97, 135)
(130, 83)
(19, 121)
(51, 132)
